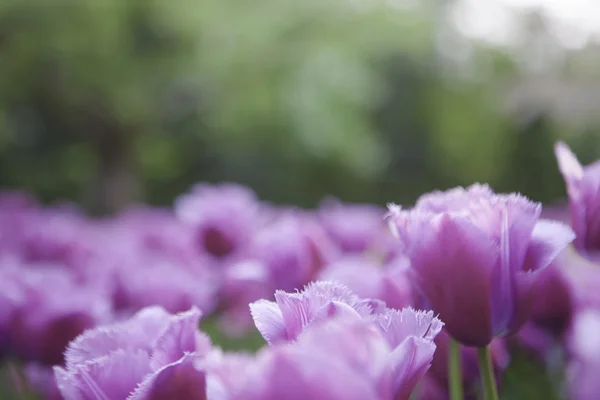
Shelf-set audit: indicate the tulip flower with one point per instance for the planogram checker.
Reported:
(290, 313)
(389, 283)
(151, 356)
(474, 255)
(583, 189)
(44, 309)
(584, 346)
(223, 217)
(341, 358)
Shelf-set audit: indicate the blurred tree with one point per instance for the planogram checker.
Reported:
(111, 79)
(111, 102)
(532, 148)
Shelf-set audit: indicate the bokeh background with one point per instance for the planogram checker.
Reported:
(107, 103)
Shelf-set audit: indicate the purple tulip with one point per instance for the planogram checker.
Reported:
(538, 343)
(61, 235)
(168, 284)
(474, 255)
(46, 308)
(149, 357)
(155, 233)
(389, 283)
(398, 289)
(584, 346)
(554, 303)
(355, 228)
(583, 189)
(360, 274)
(294, 248)
(583, 276)
(342, 358)
(178, 380)
(223, 217)
(339, 360)
(411, 335)
(14, 209)
(11, 296)
(242, 283)
(290, 313)
(553, 300)
(149, 258)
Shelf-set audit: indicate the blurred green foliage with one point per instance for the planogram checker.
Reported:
(528, 378)
(111, 102)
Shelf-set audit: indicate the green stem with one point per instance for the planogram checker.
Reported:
(455, 371)
(487, 374)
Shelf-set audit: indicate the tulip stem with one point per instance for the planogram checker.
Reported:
(455, 371)
(487, 374)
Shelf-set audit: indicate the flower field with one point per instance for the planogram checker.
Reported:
(467, 294)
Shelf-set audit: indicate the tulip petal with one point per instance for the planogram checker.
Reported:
(409, 362)
(268, 320)
(397, 325)
(452, 264)
(179, 337)
(179, 380)
(548, 239)
(139, 332)
(110, 377)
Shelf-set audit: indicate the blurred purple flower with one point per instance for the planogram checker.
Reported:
(223, 217)
(46, 308)
(431, 389)
(583, 189)
(367, 279)
(156, 233)
(15, 200)
(537, 342)
(355, 228)
(360, 274)
(11, 297)
(552, 299)
(398, 289)
(146, 357)
(554, 304)
(14, 208)
(149, 258)
(584, 346)
(145, 282)
(557, 212)
(473, 255)
(583, 276)
(294, 248)
(242, 283)
(61, 235)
